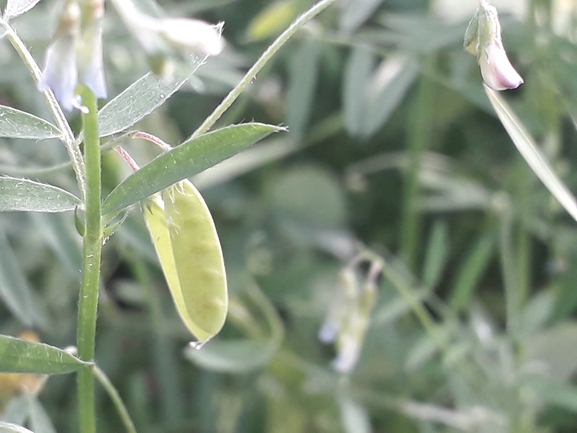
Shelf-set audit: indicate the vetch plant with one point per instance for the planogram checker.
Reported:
(180, 223)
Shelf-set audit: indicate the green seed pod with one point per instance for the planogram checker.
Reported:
(188, 247)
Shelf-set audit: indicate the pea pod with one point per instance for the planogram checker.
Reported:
(188, 248)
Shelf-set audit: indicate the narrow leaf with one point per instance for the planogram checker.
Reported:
(531, 152)
(19, 124)
(271, 20)
(139, 100)
(355, 12)
(30, 196)
(22, 356)
(357, 73)
(471, 272)
(436, 255)
(17, 410)
(18, 7)
(39, 420)
(391, 81)
(303, 80)
(15, 291)
(6, 427)
(184, 161)
(354, 416)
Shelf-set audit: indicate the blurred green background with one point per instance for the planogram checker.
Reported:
(393, 156)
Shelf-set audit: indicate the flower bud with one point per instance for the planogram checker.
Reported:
(483, 39)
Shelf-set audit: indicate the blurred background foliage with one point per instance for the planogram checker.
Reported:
(395, 162)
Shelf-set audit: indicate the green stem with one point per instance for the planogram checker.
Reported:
(418, 140)
(260, 63)
(417, 306)
(67, 134)
(88, 300)
(509, 270)
(116, 399)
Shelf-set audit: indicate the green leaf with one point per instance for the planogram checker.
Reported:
(15, 291)
(471, 272)
(357, 73)
(371, 94)
(18, 124)
(354, 416)
(138, 100)
(39, 420)
(555, 393)
(391, 81)
(17, 410)
(186, 160)
(437, 253)
(6, 427)
(22, 356)
(271, 20)
(555, 349)
(304, 71)
(355, 13)
(30, 196)
(308, 196)
(531, 152)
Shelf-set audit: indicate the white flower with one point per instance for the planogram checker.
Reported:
(60, 74)
(165, 38)
(90, 59)
(75, 55)
(192, 35)
(497, 71)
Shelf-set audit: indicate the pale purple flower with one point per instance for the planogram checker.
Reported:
(483, 39)
(497, 71)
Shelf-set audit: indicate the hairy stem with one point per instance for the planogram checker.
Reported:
(88, 300)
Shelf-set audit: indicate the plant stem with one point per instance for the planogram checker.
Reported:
(88, 301)
(418, 141)
(67, 134)
(260, 63)
(116, 399)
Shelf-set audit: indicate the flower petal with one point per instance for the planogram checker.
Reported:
(90, 62)
(60, 74)
(497, 71)
(192, 35)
